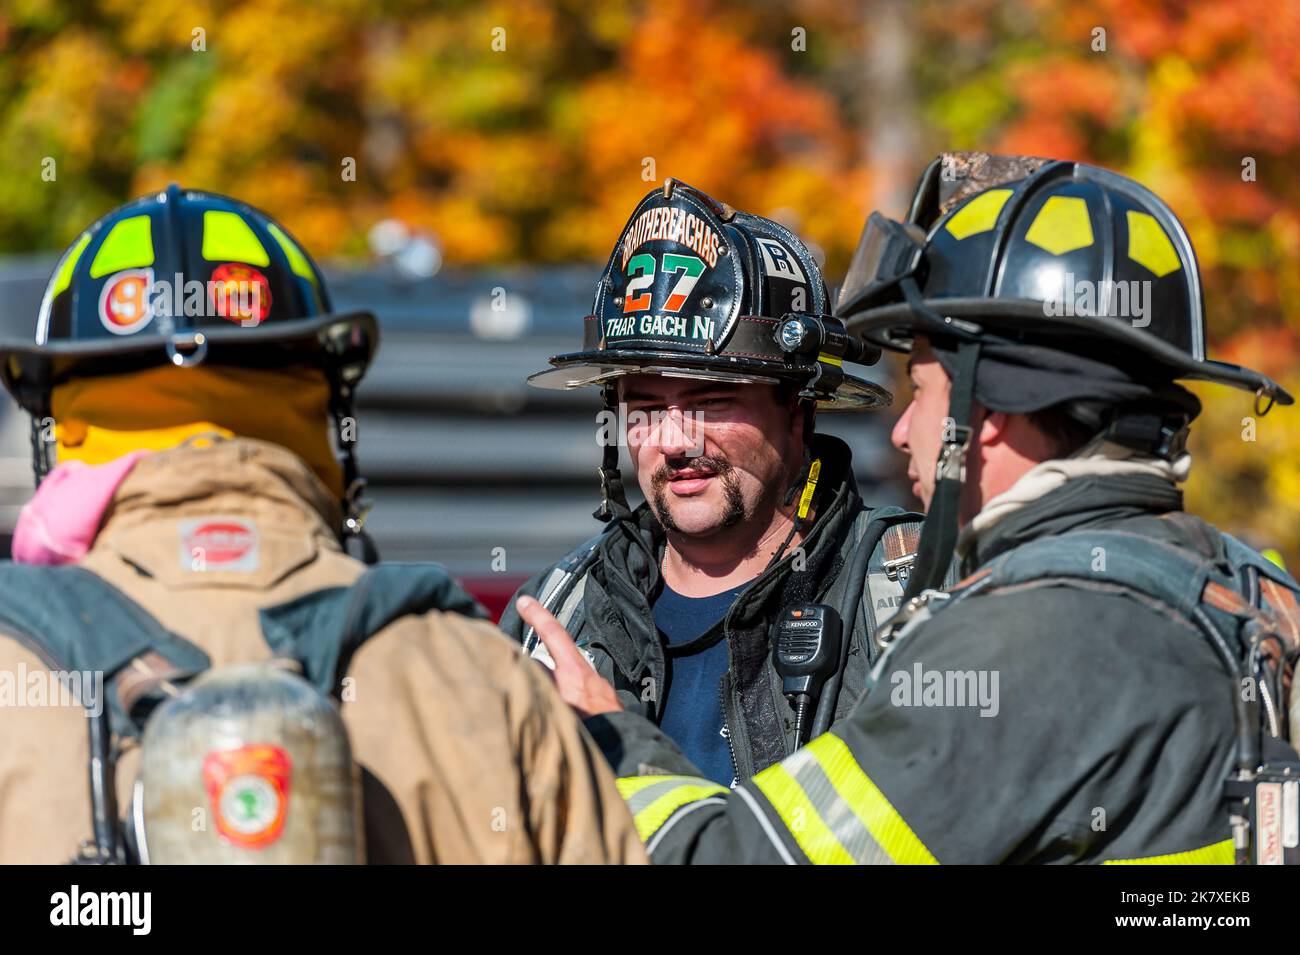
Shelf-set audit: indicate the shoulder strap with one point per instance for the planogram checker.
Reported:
(325, 628)
(1158, 569)
(92, 627)
(77, 622)
(562, 591)
(1245, 606)
(1235, 588)
(891, 534)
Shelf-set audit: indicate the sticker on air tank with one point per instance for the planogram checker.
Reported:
(249, 791)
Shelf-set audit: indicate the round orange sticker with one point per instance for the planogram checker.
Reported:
(124, 305)
(240, 293)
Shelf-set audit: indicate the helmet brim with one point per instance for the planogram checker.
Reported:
(348, 338)
(593, 368)
(895, 326)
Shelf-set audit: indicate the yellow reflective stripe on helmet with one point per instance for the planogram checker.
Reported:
(63, 277)
(1220, 853)
(298, 262)
(1062, 225)
(128, 245)
(978, 215)
(1148, 245)
(653, 799)
(227, 237)
(835, 812)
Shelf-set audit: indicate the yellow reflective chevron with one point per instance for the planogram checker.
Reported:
(1062, 225)
(63, 278)
(1220, 853)
(978, 215)
(128, 245)
(653, 799)
(297, 261)
(227, 237)
(835, 812)
(1148, 245)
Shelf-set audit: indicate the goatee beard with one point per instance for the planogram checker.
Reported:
(733, 500)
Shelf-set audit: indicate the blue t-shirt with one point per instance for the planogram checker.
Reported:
(692, 708)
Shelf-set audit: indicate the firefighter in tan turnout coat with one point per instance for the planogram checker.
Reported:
(197, 496)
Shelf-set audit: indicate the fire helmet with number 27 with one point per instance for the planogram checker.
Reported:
(695, 289)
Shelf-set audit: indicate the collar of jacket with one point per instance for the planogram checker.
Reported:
(630, 556)
(1097, 499)
(241, 470)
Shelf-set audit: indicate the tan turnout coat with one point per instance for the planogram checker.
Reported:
(468, 753)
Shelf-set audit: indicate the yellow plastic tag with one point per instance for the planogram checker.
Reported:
(805, 500)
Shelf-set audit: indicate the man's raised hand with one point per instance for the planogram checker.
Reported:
(580, 686)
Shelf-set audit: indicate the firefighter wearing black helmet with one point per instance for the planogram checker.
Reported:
(712, 343)
(1107, 683)
(185, 379)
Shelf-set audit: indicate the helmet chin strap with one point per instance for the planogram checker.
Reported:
(942, 520)
(356, 506)
(41, 458)
(939, 532)
(613, 499)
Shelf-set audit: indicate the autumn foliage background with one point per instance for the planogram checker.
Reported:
(812, 111)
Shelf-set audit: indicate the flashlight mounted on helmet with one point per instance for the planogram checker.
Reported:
(815, 335)
(821, 341)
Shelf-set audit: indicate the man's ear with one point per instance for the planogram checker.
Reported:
(993, 426)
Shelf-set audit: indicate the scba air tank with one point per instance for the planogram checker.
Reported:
(249, 765)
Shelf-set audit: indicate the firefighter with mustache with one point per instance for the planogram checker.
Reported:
(712, 345)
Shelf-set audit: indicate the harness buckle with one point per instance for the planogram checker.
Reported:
(952, 459)
(899, 567)
(892, 628)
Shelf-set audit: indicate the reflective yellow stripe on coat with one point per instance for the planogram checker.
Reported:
(653, 799)
(835, 813)
(1220, 853)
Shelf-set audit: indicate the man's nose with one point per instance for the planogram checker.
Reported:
(676, 433)
(898, 437)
